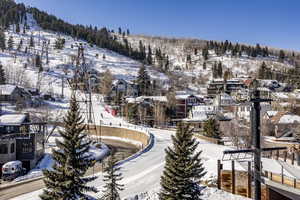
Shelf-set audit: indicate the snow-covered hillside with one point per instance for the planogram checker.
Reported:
(178, 49)
(21, 71)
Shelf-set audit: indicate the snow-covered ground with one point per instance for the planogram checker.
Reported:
(208, 193)
(97, 151)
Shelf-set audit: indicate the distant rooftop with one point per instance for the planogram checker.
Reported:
(12, 119)
(7, 89)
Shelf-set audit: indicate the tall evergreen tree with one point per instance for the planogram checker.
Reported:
(143, 81)
(31, 42)
(149, 56)
(211, 128)
(281, 56)
(111, 180)
(66, 180)
(2, 75)
(2, 40)
(262, 71)
(220, 70)
(205, 53)
(24, 27)
(38, 63)
(20, 45)
(17, 28)
(183, 169)
(142, 50)
(10, 43)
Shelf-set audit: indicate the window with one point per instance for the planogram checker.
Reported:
(12, 148)
(27, 147)
(3, 149)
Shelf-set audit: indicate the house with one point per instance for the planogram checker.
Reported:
(243, 110)
(219, 85)
(124, 88)
(21, 140)
(198, 115)
(12, 94)
(184, 103)
(224, 99)
(278, 123)
(150, 110)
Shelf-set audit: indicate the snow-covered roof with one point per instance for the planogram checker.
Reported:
(199, 118)
(229, 115)
(12, 119)
(265, 89)
(289, 119)
(271, 113)
(185, 96)
(284, 117)
(281, 95)
(155, 98)
(7, 89)
(141, 98)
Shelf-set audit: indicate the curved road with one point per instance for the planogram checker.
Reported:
(140, 174)
(121, 150)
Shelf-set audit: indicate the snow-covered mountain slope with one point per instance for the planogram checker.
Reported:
(179, 49)
(15, 61)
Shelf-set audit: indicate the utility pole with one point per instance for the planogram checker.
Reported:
(255, 126)
(256, 145)
(90, 99)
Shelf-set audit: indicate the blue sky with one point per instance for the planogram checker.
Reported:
(268, 22)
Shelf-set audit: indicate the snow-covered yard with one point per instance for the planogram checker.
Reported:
(97, 151)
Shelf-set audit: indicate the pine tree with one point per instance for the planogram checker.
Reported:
(2, 75)
(219, 70)
(149, 56)
(214, 70)
(38, 63)
(111, 180)
(205, 53)
(183, 169)
(262, 71)
(10, 43)
(171, 107)
(2, 40)
(20, 45)
(143, 81)
(142, 51)
(211, 128)
(66, 180)
(18, 28)
(204, 66)
(196, 51)
(281, 56)
(31, 42)
(59, 43)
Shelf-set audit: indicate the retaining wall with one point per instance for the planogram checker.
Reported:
(123, 132)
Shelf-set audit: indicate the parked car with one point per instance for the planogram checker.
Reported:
(12, 170)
